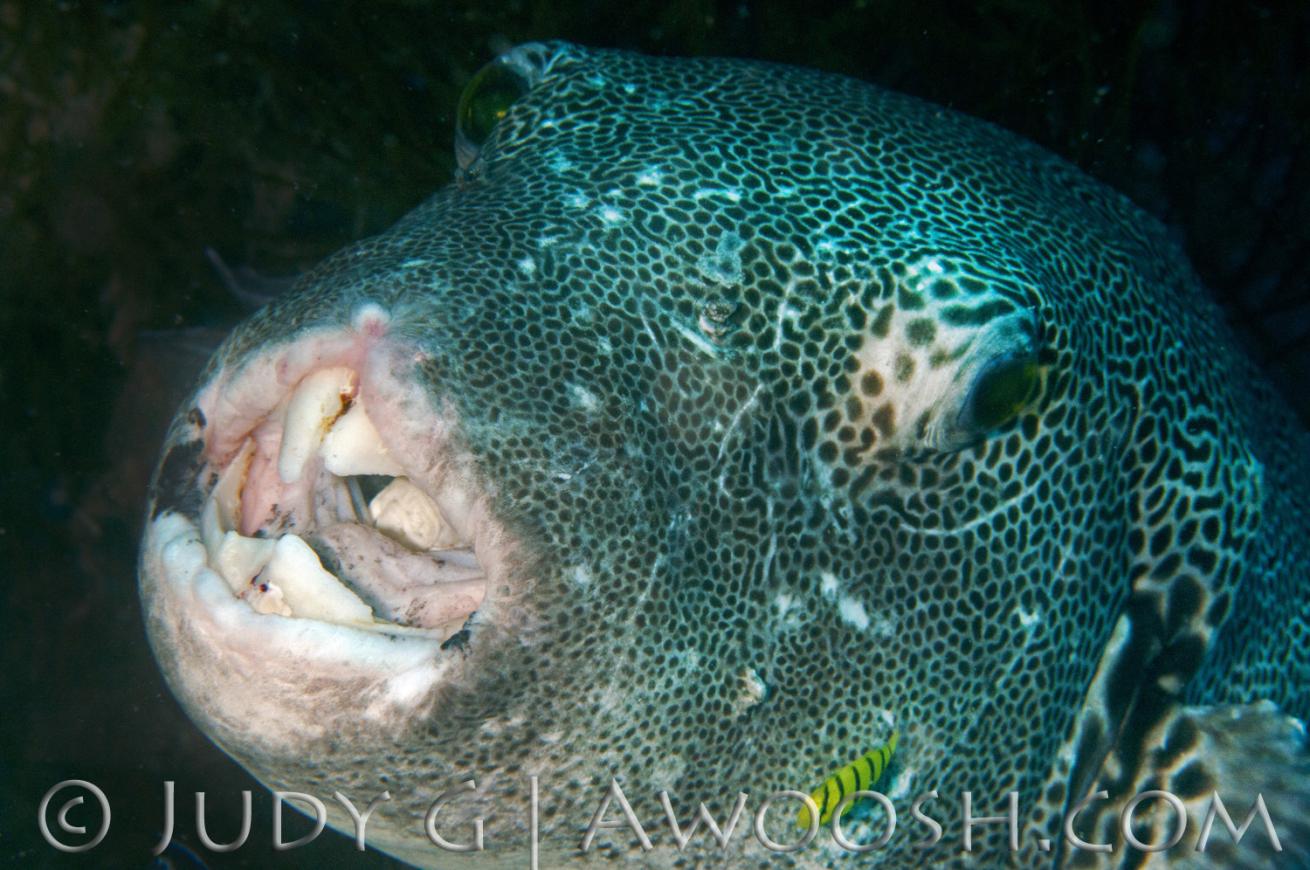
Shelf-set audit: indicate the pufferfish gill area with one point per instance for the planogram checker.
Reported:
(825, 413)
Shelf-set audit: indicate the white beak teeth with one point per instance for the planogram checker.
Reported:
(327, 439)
(404, 513)
(240, 559)
(309, 590)
(266, 598)
(315, 405)
(223, 509)
(353, 447)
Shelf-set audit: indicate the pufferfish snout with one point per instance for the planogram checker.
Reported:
(374, 549)
(723, 423)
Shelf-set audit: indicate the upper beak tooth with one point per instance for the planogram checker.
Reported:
(352, 447)
(223, 507)
(315, 404)
(226, 496)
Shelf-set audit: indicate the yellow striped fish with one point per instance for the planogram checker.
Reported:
(859, 775)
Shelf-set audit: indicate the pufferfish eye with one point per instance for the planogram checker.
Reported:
(485, 101)
(1001, 391)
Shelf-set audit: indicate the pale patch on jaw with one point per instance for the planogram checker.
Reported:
(244, 673)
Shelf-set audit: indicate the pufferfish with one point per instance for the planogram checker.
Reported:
(706, 368)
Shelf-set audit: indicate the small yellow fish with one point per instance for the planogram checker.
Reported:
(859, 775)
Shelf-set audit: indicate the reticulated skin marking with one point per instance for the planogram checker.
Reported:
(711, 337)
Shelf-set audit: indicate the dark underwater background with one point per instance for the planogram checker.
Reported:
(161, 165)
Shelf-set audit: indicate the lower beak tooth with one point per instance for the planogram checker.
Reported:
(267, 598)
(352, 447)
(404, 513)
(316, 402)
(238, 559)
(309, 590)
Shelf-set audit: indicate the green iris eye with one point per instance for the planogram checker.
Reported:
(486, 100)
(1003, 390)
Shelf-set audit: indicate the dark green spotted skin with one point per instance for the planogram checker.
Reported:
(711, 328)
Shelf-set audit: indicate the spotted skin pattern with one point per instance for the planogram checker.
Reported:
(713, 330)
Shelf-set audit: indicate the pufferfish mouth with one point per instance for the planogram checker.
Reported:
(336, 523)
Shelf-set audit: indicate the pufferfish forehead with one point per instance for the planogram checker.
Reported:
(817, 250)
